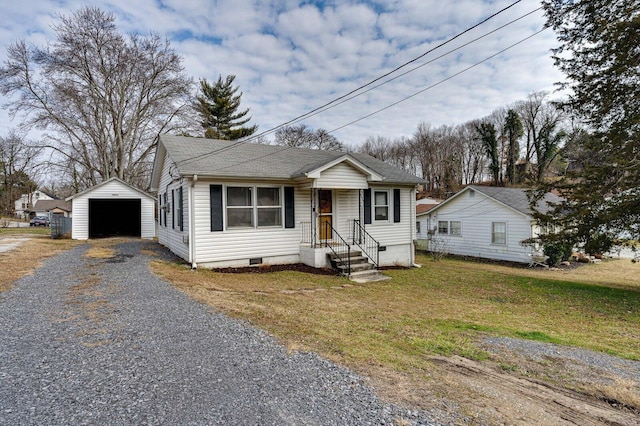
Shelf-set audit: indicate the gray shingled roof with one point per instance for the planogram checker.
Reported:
(516, 198)
(46, 205)
(216, 158)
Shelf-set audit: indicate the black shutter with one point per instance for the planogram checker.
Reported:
(181, 210)
(289, 207)
(173, 209)
(367, 206)
(396, 205)
(160, 209)
(215, 199)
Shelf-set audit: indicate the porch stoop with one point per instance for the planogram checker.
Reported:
(361, 270)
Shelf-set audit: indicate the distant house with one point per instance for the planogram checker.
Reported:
(486, 222)
(24, 206)
(52, 207)
(225, 203)
(423, 207)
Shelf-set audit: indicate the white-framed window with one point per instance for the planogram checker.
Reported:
(443, 227)
(269, 207)
(381, 205)
(251, 207)
(239, 206)
(499, 233)
(418, 227)
(455, 228)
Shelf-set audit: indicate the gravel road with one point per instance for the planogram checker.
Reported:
(104, 341)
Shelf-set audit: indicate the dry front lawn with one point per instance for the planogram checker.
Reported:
(391, 331)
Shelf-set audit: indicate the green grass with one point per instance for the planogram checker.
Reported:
(30, 230)
(443, 308)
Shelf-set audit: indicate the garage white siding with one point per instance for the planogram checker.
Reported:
(111, 189)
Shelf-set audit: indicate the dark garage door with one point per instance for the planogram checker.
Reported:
(114, 218)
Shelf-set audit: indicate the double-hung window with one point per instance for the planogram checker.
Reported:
(250, 207)
(499, 233)
(269, 207)
(381, 205)
(443, 227)
(239, 207)
(455, 228)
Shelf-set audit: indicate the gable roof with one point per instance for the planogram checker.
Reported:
(106, 182)
(514, 198)
(48, 205)
(424, 208)
(234, 159)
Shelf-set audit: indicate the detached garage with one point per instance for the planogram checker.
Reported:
(113, 209)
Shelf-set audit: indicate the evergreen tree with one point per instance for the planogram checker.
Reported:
(513, 131)
(487, 134)
(218, 106)
(599, 55)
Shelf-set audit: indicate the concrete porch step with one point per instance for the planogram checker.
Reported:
(356, 267)
(368, 276)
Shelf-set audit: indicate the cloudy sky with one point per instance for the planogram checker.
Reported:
(290, 57)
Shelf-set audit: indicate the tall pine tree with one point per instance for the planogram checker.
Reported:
(218, 106)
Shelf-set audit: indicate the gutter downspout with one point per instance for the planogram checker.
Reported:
(413, 229)
(192, 215)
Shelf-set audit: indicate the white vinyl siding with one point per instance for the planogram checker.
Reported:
(116, 190)
(396, 237)
(476, 216)
(341, 176)
(174, 239)
(241, 244)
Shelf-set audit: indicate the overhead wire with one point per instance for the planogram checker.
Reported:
(353, 92)
(395, 103)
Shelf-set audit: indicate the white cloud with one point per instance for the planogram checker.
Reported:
(289, 59)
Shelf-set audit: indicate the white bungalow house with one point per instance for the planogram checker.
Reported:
(225, 203)
(486, 222)
(24, 206)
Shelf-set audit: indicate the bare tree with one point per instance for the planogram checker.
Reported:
(541, 121)
(101, 96)
(302, 136)
(18, 163)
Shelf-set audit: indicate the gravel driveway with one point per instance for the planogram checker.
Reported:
(104, 341)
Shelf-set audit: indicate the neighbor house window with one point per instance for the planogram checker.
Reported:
(455, 227)
(239, 207)
(418, 227)
(498, 233)
(443, 227)
(269, 207)
(381, 205)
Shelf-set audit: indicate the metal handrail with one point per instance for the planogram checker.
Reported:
(334, 248)
(369, 245)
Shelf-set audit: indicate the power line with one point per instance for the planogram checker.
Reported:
(328, 107)
(340, 98)
(439, 82)
(300, 117)
(391, 105)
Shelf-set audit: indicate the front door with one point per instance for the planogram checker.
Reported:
(325, 214)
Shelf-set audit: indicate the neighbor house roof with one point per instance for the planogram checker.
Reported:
(514, 198)
(424, 208)
(48, 205)
(233, 159)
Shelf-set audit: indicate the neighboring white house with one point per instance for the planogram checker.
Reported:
(487, 222)
(423, 206)
(112, 208)
(23, 206)
(52, 207)
(225, 203)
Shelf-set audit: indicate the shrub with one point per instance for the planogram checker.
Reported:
(557, 252)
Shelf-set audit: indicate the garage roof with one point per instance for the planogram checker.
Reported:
(107, 181)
